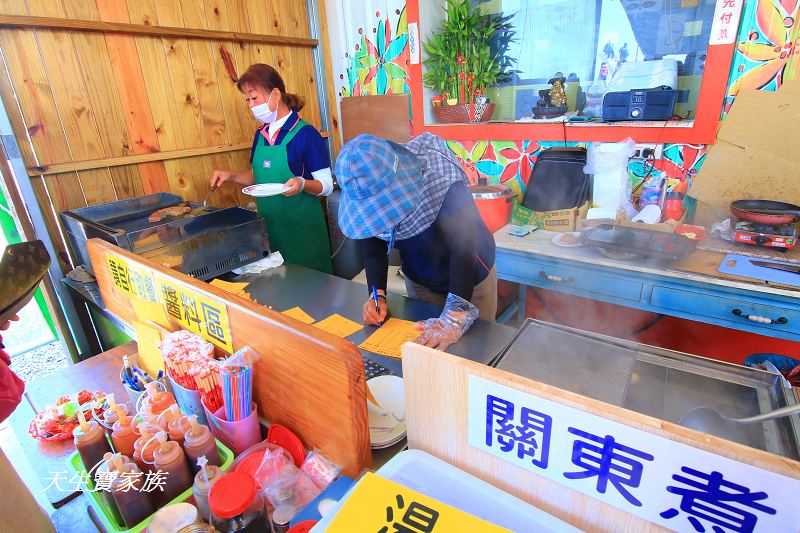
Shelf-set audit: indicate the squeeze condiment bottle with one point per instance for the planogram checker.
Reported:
(170, 459)
(203, 480)
(111, 415)
(144, 448)
(199, 441)
(122, 434)
(104, 474)
(158, 401)
(90, 440)
(178, 427)
(133, 504)
(168, 415)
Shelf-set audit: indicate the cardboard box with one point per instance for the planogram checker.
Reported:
(755, 155)
(562, 220)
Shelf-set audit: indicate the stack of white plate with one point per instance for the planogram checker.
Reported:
(387, 420)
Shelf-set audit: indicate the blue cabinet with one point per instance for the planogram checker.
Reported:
(653, 287)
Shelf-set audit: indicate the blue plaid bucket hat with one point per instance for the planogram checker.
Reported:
(381, 183)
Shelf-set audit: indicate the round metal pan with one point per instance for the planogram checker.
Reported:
(765, 211)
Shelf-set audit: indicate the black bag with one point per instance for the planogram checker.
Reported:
(558, 181)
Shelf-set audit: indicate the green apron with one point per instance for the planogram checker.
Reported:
(296, 225)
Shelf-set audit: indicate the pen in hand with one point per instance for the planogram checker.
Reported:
(377, 308)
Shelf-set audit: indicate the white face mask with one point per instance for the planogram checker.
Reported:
(263, 113)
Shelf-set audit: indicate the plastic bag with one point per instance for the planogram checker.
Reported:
(608, 164)
(456, 318)
(295, 491)
(236, 374)
(321, 470)
(276, 464)
(788, 367)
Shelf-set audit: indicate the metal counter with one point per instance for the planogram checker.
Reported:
(321, 295)
(660, 383)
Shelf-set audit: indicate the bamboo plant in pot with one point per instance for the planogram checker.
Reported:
(465, 57)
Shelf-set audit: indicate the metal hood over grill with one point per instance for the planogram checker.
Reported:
(203, 243)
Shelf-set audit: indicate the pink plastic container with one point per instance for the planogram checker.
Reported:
(238, 436)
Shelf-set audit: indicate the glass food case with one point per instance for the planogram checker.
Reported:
(594, 47)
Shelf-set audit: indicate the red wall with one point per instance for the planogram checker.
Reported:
(642, 326)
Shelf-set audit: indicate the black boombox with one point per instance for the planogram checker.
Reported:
(640, 104)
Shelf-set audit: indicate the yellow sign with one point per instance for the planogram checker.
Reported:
(119, 273)
(150, 311)
(380, 505)
(133, 280)
(148, 339)
(388, 339)
(197, 313)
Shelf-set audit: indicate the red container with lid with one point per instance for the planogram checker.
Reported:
(236, 506)
(494, 203)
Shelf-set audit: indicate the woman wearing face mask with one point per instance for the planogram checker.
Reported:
(286, 150)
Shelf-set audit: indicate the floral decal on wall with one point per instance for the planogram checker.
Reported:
(768, 47)
(506, 162)
(678, 161)
(511, 163)
(378, 64)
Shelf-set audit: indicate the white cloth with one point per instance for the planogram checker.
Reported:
(323, 175)
(275, 259)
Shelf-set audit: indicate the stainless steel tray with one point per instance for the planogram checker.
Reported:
(661, 383)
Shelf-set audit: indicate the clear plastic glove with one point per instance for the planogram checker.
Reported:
(456, 318)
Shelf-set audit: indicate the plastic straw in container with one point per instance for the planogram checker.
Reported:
(236, 374)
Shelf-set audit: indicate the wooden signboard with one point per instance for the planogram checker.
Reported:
(592, 464)
(307, 380)
(384, 115)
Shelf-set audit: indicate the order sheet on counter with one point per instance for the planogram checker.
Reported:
(298, 314)
(339, 325)
(388, 339)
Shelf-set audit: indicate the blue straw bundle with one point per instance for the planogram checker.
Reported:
(237, 391)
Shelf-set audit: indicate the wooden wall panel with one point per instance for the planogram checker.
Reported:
(133, 95)
(238, 127)
(84, 96)
(214, 126)
(162, 102)
(101, 84)
(40, 119)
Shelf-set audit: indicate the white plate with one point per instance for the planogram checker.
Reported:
(558, 242)
(265, 189)
(387, 423)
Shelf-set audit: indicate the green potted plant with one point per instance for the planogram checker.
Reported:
(465, 57)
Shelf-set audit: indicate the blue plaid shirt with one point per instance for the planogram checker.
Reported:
(452, 255)
(440, 169)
